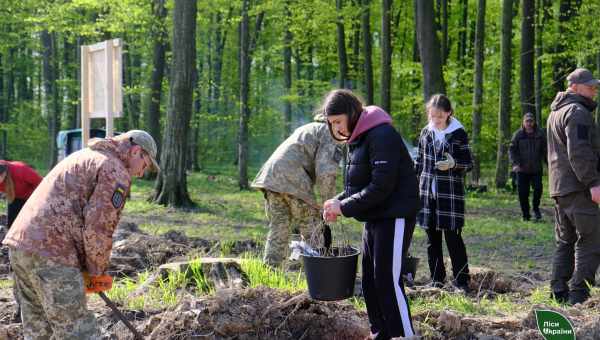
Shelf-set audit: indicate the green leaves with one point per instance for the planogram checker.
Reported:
(554, 326)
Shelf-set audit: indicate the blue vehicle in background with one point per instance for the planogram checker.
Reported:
(69, 141)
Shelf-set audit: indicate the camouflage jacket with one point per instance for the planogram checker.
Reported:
(71, 216)
(308, 157)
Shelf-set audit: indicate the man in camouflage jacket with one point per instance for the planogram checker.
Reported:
(61, 241)
(308, 157)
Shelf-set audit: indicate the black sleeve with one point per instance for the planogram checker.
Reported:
(514, 150)
(384, 158)
(462, 154)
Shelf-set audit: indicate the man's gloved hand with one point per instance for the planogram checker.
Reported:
(447, 164)
(96, 284)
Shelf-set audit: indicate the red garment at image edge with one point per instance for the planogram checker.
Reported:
(24, 178)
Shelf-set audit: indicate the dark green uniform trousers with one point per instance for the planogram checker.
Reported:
(577, 254)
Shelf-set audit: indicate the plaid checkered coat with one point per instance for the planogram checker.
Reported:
(450, 193)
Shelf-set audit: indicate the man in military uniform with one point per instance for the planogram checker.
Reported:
(61, 241)
(573, 150)
(308, 157)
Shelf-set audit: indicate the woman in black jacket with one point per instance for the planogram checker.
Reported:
(443, 159)
(381, 190)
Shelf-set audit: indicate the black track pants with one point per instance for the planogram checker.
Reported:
(385, 244)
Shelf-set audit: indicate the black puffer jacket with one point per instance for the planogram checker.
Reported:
(380, 180)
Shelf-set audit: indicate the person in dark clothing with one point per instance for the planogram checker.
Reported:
(17, 181)
(527, 152)
(443, 159)
(380, 189)
(573, 154)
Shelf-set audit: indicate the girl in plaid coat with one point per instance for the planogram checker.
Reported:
(444, 158)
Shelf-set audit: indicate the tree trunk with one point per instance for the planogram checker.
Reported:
(563, 65)
(220, 39)
(247, 45)
(70, 87)
(429, 47)
(597, 97)
(386, 56)
(478, 91)
(341, 46)
(160, 43)
(367, 53)
(527, 57)
(10, 78)
(3, 113)
(462, 35)
(80, 41)
(355, 60)
(172, 183)
(444, 8)
(287, 72)
(505, 95)
(538, 67)
(131, 67)
(51, 104)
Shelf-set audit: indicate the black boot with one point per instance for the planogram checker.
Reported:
(578, 296)
(560, 297)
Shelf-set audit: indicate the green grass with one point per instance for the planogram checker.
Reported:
(6, 283)
(261, 274)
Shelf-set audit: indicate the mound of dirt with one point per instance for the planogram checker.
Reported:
(259, 313)
(486, 280)
(135, 250)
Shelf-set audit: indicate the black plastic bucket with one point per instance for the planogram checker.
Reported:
(331, 278)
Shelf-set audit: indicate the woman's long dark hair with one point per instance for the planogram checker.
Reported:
(341, 101)
(9, 185)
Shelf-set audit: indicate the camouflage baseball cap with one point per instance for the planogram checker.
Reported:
(143, 139)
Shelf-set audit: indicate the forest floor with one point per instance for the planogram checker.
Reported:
(510, 264)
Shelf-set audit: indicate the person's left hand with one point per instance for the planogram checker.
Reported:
(447, 164)
(331, 210)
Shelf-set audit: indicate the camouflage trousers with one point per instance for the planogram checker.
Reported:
(53, 303)
(287, 213)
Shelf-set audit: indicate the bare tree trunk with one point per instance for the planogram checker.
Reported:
(563, 65)
(70, 88)
(171, 188)
(478, 91)
(367, 51)
(131, 67)
(538, 67)
(429, 47)
(597, 97)
(386, 56)
(287, 71)
(341, 44)
(505, 95)
(462, 35)
(527, 57)
(220, 39)
(160, 37)
(50, 92)
(3, 113)
(246, 48)
(444, 14)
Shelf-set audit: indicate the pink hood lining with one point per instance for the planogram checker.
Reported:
(371, 117)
